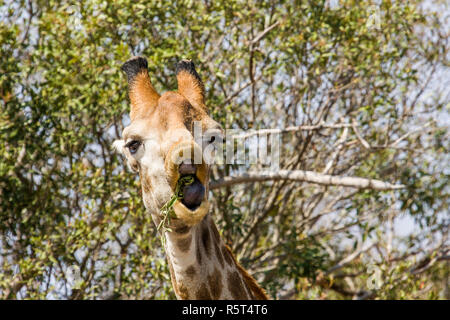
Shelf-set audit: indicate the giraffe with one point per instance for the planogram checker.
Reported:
(155, 145)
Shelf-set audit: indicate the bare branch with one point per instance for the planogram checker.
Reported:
(263, 33)
(293, 128)
(237, 92)
(409, 133)
(306, 176)
(340, 144)
(349, 258)
(360, 138)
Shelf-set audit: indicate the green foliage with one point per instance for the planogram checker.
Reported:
(167, 209)
(66, 199)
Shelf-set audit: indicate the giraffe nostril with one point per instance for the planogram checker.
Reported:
(187, 168)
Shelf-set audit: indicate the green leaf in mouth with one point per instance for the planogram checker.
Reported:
(167, 211)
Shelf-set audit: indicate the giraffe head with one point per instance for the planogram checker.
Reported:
(159, 143)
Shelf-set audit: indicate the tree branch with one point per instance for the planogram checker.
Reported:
(306, 176)
(349, 258)
(293, 128)
(263, 33)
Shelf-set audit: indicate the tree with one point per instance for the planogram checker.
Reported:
(355, 89)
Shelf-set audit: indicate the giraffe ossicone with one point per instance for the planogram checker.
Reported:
(159, 144)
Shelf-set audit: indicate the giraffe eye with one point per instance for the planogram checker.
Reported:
(133, 146)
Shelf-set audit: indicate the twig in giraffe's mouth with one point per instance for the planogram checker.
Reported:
(190, 192)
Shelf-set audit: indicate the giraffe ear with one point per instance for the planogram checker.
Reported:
(143, 96)
(189, 83)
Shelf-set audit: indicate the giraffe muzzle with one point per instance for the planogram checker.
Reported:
(186, 168)
(185, 159)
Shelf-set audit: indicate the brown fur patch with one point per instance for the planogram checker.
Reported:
(182, 230)
(219, 254)
(215, 232)
(185, 243)
(227, 255)
(257, 292)
(203, 293)
(146, 185)
(183, 291)
(215, 283)
(190, 271)
(206, 240)
(236, 286)
(199, 254)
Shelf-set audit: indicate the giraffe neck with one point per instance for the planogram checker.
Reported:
(202, 266)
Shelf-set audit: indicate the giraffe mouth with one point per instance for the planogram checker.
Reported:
(193, 193)
(192, 204)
